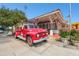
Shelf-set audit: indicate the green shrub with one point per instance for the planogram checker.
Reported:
(73, 32)
(64, 34)
(75, 36)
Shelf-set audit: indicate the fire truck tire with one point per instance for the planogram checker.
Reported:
(29, 41)
(45, 41)
(16, 37)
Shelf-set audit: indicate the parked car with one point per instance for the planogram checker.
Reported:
(1, 30)
(31, 33)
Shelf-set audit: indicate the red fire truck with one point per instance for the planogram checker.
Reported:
(31, 33)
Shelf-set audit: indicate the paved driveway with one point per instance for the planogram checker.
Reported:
(14, 47)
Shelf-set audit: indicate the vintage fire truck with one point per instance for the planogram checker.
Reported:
(31, 33)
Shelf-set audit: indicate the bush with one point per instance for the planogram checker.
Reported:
(64, 34)
(75, 35)
(73, 32)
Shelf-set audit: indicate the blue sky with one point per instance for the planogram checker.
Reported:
(36, 9)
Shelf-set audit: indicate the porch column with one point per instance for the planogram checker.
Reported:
(51, 24)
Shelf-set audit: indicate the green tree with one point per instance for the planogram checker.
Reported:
(10, 17)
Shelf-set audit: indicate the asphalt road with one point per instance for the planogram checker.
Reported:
(9, 46)
(4, 38)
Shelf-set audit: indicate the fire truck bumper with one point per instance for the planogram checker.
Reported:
(42, 39)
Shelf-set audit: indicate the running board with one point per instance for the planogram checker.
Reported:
(21, 37)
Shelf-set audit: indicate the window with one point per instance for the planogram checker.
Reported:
(33, 26)
(25, 26)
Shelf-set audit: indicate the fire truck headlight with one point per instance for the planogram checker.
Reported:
(46, 33)
(37, 35)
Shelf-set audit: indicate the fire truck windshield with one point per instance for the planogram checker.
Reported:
(33, 26)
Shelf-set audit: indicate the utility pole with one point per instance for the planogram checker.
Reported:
(25, 8)
(70, 25)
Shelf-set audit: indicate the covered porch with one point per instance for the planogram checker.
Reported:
(52, 21)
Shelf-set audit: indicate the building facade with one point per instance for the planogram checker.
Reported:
(75, 25)
(51, 21)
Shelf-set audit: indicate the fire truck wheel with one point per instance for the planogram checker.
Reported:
(29, 41)
(16, 37)
(45, 41)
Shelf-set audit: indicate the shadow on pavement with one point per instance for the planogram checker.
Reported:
(35, 44)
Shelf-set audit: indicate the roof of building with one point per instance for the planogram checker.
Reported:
(52, 12)
(44, 16)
